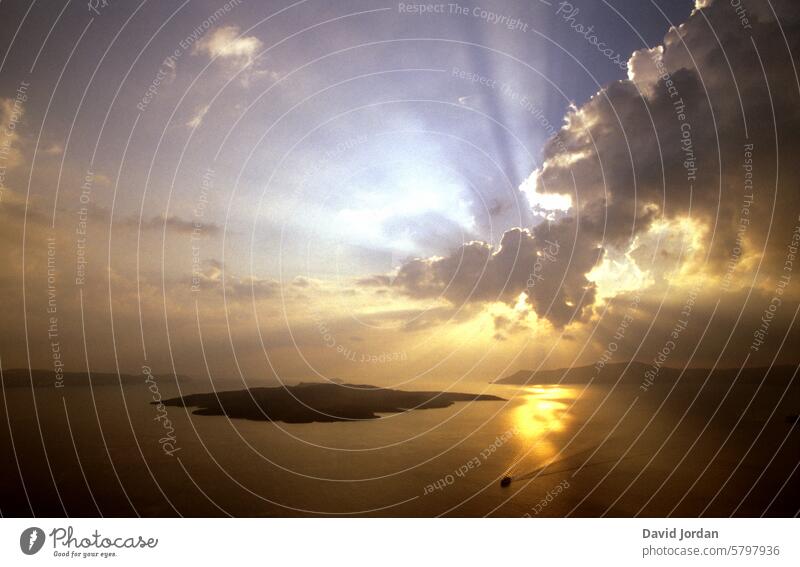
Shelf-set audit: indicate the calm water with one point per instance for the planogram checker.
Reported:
(572, 451)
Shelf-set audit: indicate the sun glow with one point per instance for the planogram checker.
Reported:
(618, 273)
(544, 411)
(670, 249)
(548, 202)
(373, 214)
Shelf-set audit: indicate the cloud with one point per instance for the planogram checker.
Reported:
(301, 281)
(669, 143)
(197, 118)
(11, 113)
(235, 51)
(227, 43)
(655, 168)
(174, 224)
(418, 318)
(237, 287)
(525, 261)
(668, 147)
(54, 150)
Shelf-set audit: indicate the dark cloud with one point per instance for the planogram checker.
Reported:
(301, 281)
(525, 261)
(670, 142)
(667, 145)
(174, 223)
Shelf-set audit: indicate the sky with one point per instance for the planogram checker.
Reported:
(397, 193)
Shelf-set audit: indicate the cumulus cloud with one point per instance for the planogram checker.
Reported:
(670, 142)
(235, 51)
(656, 165)
(197, 118)
(525, 261)
(228, 43)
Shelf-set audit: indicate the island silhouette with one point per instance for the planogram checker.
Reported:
(318, 402)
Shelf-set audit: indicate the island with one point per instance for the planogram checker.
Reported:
(318, 402)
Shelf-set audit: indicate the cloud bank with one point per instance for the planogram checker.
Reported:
(684, 170)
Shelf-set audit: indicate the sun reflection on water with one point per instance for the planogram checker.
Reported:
(543, 413)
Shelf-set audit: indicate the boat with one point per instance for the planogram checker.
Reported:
(505, 481)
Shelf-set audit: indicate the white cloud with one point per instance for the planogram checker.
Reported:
(199, 115)
(645, 67)
(227, 45)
